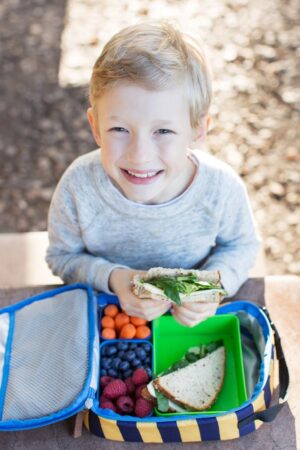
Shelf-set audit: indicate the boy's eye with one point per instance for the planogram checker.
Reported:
(118, 129)
(164, 131)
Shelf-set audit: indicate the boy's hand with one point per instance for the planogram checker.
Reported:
(120, 284)
(190, 314)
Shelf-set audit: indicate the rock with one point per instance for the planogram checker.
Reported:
(257, 180)
(230, 53)
(292, 154)
(276, 189)
(290, 95)
(274, 245)
(292, 198)
(265, 51)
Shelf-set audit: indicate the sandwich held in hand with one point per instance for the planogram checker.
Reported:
(179, 285)
(192, 383)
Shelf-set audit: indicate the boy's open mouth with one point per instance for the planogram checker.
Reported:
(141, 176)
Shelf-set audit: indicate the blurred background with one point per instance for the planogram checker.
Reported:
(47, 52)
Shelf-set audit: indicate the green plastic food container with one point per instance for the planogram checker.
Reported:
(171, 340)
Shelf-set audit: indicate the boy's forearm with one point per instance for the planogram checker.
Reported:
(114, 278)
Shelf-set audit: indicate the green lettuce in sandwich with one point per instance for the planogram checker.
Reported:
(179, 285)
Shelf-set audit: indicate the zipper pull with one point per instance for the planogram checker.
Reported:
(90, 400)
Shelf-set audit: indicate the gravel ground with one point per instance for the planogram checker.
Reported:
(254, 52)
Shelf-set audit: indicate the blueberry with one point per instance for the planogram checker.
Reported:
(122, 345)
(130, 355)
(149, 372)
(146, 347)
(133, 345)
(124, 366)
(112, 373)
(122, 354)
(103, 350)
(106, 363)
(111, 350)
(116, 363)
(128, 373)
(103, 372)
(140, 353)
(136, 362)
(147, 361)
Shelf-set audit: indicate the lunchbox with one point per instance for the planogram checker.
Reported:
(50, 369)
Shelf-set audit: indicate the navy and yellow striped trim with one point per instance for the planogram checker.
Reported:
(189, 430)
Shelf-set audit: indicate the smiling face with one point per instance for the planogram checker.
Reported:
(144, 136)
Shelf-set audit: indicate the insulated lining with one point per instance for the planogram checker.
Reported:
(4, 327)
(49, 356)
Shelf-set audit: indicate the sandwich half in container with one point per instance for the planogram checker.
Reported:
(190, 386)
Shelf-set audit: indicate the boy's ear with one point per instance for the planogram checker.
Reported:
(200, 132)
(94, 126)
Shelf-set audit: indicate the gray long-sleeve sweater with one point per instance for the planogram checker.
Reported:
(93, 228)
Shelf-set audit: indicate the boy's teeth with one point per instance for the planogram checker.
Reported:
(142, 175)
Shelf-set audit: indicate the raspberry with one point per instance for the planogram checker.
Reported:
(140, 376)
(115, 389)
(125, 404)
(138, 391)
(130, 385)
(107, 404)
(103, 398)
(143, 407)
(105, 380)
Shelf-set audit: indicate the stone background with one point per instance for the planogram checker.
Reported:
(47, 51)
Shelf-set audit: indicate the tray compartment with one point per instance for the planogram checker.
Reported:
(171, 340)
(135, 353)
(117, 352)
(111, 322)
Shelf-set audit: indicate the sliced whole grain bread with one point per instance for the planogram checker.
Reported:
(197, 385)
(147, 290)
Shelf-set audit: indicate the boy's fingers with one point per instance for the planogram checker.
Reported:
(145, 309)
(157, 312)
(189, 318)
(200, 307)
(182, 319)
(186, 313)
(149, 303)
(189, 322)
(196, 313)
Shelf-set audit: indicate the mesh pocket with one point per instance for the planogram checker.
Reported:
(49, 357)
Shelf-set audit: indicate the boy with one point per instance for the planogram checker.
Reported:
(146, 199)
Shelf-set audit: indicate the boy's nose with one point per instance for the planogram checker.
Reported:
(140, 151)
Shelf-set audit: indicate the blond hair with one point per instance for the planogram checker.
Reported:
(155, 55)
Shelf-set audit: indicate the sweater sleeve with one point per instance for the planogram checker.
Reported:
(237, 242)
(66, 255)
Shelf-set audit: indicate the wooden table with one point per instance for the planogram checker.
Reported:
(282, 299)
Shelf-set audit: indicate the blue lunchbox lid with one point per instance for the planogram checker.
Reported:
(49, 357)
